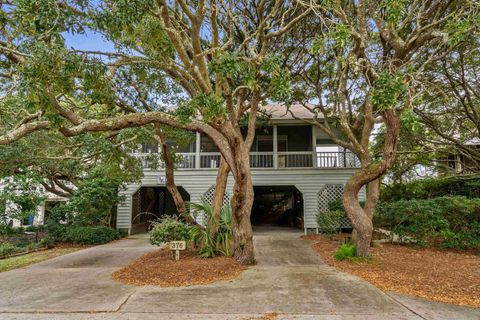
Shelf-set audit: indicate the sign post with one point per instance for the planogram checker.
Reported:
(177, 246)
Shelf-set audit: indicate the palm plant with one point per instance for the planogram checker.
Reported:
(212, 243)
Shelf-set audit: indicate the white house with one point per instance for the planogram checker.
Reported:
(297, 171)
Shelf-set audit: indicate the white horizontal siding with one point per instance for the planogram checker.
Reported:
(197, 182)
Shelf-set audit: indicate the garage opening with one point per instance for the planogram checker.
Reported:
(150, 204)
(277, 206)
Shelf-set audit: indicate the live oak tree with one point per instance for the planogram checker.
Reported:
(364, 70)
(217, 52)
(445, 121)
(451, 108)
(61, 163)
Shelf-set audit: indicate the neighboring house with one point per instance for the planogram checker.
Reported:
(460, 158)
(8, 209)
(297, 171)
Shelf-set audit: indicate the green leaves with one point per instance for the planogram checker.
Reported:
(226, 65)
(169, 229)
(388, 91)
(40, 18)
(209, 243)
(446, 221)
(280, 88)
(21, 190)
(410, 121)
(395, 10)
(459, 29)
(211, 107)
(337, 37)
(93, 201)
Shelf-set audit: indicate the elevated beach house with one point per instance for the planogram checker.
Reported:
(297, 171)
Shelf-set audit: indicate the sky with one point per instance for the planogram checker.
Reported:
(88, 41)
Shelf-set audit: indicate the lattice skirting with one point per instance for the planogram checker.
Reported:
(328, 194)
(209, 194)
(208, 197)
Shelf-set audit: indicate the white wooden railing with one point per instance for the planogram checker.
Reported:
(258, 160)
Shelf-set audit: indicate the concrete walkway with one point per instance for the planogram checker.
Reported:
(289, 279)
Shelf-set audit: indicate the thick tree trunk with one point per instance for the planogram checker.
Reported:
(373, 193)
(242, 202)
(370, 174)
(361, 222)
(220, 187)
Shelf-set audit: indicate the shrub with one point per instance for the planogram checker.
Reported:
(468, 186)
(337, 205)
(329, 222)
(6, 230)
(92, 203)
(7, 249)
(56, 231)
(169, 229)
(89, 235)
(346, 251)
(444, 221)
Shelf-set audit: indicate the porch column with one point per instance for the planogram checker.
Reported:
(314, 146)
(275, 147)
(197, 151)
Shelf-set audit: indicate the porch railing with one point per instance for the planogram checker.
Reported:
(258, 160)
(155, 161)
(295, 159)
(261, 159)
(344, 159)
(209, 160)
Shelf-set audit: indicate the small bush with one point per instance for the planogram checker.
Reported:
(7, 249)
(167, 230)
(90, 235)
(346, 251)
(329, 222)
(6, 230)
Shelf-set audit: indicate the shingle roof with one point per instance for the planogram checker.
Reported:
(280, 111)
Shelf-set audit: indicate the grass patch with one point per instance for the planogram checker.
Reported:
(348, 252)
(34, 257)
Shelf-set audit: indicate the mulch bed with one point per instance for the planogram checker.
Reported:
(158, 268)
(439, 275)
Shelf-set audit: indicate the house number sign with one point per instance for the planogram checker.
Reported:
(177, 246)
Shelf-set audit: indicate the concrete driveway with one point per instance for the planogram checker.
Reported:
(289, 279)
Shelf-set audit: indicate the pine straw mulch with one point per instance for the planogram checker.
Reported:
(158, 268)
(439, 275)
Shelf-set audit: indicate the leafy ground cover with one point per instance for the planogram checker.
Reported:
(35, 257)
(159, 268)
(440, 275)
